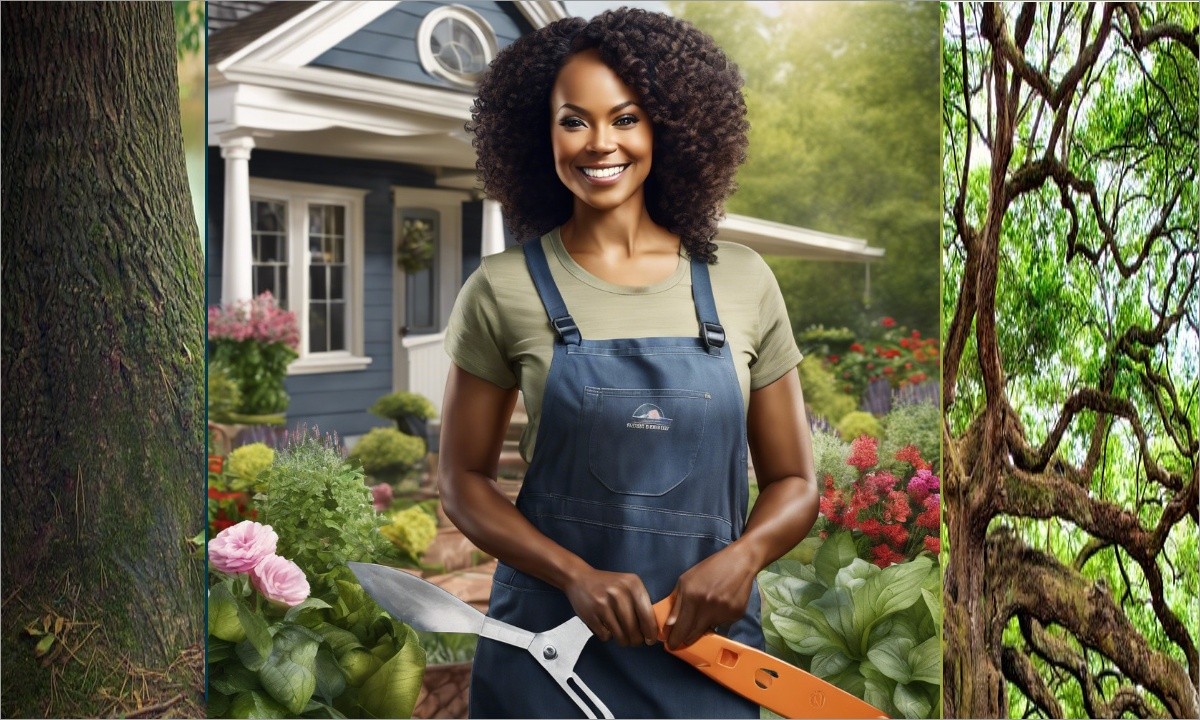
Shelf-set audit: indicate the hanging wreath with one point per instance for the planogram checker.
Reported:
(414, 251)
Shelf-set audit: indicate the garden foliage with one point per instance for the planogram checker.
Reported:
(255, 340)
(387, 453)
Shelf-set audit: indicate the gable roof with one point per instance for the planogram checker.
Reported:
(240, 23)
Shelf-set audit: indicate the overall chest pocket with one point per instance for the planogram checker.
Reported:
(644, 441)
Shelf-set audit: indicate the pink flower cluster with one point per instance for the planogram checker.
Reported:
(249, 548)
(260, 319)
(382, 496)
(900, 519)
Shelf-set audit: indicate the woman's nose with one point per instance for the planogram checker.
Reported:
(601, 140)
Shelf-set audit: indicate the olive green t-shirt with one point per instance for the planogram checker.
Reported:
(499, 331)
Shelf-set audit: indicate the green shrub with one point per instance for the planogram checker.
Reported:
(399, 404)
(385, 452)
(224, 397)
(247, 463)
(918, 424)
(411, 530)
(821, 392)
(834, 339)
(859, 423)
(320, 507)
(830, 455)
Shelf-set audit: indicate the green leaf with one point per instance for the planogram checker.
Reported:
(223, 619)
(234, 678)
(289, 674)
(806, 630)
(879, 692)
(838, 606)
(896, 587)
(340, 641)
(306, 608)
(836, 552)
(250, 656)
(926, 662)
(218, 651)
(856, 573)
(934, 603)
(392, 690)
(258, 633)
(807, 549)
(255, 704)
(911, 701)
(829, 661)
(891, 657)
(331, 679)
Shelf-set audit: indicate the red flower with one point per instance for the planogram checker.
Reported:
(933, 544)
(888, 370)
(855, 347)
(895, 534)
(884, 555)
(884, 482)
(888, 322)
(908, 366)
(863, 453)
(916, 378)
(833, 359)
(916, 333)
(219, 524)
(215, 463)
(930, 519)
(898, 508)
(871, 528)
(911, 455)
(870, 366)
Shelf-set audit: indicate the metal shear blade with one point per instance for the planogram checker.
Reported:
(557, 650)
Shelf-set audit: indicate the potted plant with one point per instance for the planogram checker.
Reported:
(410, 411)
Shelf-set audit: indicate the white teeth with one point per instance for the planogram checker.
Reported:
(604, 172)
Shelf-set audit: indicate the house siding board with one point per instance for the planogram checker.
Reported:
(332, 401)
(387, 46)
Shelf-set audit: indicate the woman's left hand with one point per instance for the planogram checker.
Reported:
(713, 592)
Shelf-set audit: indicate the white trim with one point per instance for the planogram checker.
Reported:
(423, 340)
(542, 12)
(303, 38)
(298, 196)
(479, 27)
(773, 238)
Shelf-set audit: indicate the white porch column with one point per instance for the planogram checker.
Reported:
(493, 229)
(236, 281)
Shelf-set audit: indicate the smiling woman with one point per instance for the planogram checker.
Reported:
(649, 370)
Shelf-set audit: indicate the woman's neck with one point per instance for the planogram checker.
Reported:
(618, 233)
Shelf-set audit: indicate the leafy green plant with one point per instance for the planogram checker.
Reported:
(224, 397)
(918, 424)
(821, 391)
(400, 404)
(859, 423)
(447, 648)
(334, 655)
(256, 340)
(871, 632)
(387, 453)
(411, 530)
(247, 463)
(320, 507)
(830, 454)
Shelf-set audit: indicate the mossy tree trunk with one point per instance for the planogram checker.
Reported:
(1070, 368)
(103, 332)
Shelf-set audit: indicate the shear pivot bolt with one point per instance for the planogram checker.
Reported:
(550, 653)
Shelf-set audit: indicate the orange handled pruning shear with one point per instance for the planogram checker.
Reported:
(783, 689)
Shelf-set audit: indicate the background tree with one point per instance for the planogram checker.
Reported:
(103, 341)
(844, 139)
(1071, 360)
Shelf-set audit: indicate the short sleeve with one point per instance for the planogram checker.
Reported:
(474, 337)
(777, 351)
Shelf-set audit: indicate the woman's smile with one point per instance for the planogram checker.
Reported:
(604, 174)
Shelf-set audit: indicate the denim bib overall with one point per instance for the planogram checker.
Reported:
(639, 467)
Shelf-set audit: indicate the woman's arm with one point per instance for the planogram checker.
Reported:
(475, 416)
(716, 590)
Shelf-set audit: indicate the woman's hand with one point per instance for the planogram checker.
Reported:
(613, 605)
(713, 592)
(716, 590)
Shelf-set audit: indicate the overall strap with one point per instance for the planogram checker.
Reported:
(711, 331)
(556, 309)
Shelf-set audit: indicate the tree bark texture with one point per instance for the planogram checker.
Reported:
(1022, 72)
(103, 319)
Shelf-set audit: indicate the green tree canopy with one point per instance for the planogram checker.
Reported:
(843, 107)
(1072, 341)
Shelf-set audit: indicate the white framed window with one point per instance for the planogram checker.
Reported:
(455, 43)
(307, 249)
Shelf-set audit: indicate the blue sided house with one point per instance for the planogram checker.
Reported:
(341, 180)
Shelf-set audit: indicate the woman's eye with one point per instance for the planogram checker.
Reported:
(571, 122)
(627, 120)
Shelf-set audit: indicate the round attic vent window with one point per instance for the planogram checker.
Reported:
(455, 44)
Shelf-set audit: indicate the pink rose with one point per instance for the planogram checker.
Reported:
(280, 580)
(239, 548)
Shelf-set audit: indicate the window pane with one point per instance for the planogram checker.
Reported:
(268, 233)
(335, 220)
(316, 282)
(337, 249)
(264, 280)
(318, 327)
(337, 326)
(337, 290)
(421, 288)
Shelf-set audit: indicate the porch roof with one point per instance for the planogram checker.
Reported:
(773, 238)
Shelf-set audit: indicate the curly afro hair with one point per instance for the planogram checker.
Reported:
(685, 83)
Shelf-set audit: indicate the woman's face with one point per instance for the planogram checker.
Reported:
(602, 139)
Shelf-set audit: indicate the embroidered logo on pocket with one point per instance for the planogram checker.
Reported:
(649, 417)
